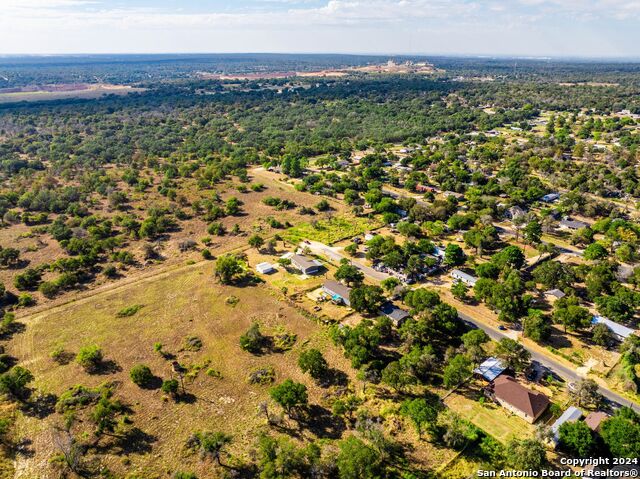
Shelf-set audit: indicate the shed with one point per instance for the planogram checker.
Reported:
(265, 268)
(490, 369)
(555, 293)
(594, 419)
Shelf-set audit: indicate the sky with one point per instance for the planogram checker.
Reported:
(535, 28)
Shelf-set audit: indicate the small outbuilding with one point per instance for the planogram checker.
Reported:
(555, 294)
(594, 419)
(265, 268)
(490, 369)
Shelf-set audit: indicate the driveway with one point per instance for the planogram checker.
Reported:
(336, 254)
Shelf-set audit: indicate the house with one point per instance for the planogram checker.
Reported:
(439, 252)
(523, 402)
(395, 314)
(515, 212)
(594, 419)
(551, 197)
(464, 277)
(265, 268)
(337, 291)
(619, 331)
(572, 414)
(567, 224)
(490, 369)
(554, 293)
(424, 188)
(305, 264)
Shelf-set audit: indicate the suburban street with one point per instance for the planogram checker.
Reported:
(566, 373)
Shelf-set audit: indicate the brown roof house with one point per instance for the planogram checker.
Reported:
(511, 395)
(594, 419)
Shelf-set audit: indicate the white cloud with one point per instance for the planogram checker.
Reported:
(464, 26)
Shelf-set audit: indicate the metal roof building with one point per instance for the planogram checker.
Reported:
(490, 369)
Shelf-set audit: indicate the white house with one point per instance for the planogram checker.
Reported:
(572, 414)
(464, 277)
(621, 332)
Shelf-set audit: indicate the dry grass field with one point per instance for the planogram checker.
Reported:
(175, 306)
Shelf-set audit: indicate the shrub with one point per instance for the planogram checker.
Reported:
(89, 357)
(129, 311)
(141, 375)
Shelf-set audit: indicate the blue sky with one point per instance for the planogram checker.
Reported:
(557, 28)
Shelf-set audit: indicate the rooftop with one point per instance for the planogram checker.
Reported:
(617, 328)
(490, 369)
(336, 288)
(532, 403)
(570, 415)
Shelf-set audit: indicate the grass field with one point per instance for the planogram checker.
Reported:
(331, 230)
(91, 92)
(181, 304)
(491, 418)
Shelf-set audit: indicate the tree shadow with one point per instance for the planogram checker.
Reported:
(136, 441)
(334, 377)
(40, 407)
(154, 383)
(322, 423)
(107, 366)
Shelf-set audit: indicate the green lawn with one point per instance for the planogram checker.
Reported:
(491, 418)
(330, 231)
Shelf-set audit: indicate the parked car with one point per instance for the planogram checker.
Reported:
(502, 328)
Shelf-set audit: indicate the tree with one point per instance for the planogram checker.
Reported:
(357, 460)
(105, 414)
(473, 341)
(553, 274)
(595, 251)
(457, 371)
(14, 382)
(422, 299)
(460, 290)
(228, 267)
(170, 387)
(453, 255)
(537, 326)
(366, 299)
(253, 340)
(397, 376)
(601, 335)
(570, 315)
(585, 393)
(256, 241)
(312, 361)
(89, 357)
(141, 375)
(533, 232)
(576, 438)
(212, 444)
(390, 284)
(349, 274)
(422, 414)
(525, 454)
(621, 433)
(510, 257)
(513, 354)
(290, 395)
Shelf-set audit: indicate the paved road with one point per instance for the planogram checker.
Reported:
(554, 365)
(335, 255)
